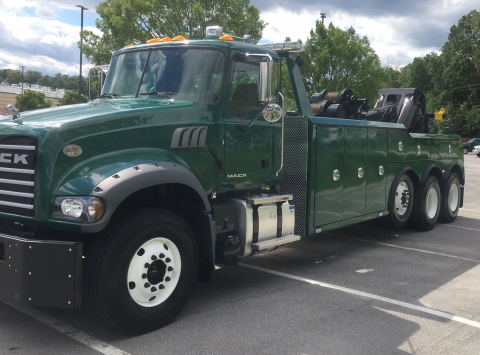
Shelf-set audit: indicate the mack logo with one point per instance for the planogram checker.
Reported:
(232, 176)
(13, 158)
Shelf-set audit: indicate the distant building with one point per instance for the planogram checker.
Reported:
(9, 92)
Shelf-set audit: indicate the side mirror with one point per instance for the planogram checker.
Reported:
(264, 85)
(272, 112)
(300, 61)
(269, 84)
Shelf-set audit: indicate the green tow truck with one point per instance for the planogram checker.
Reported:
(188, 159)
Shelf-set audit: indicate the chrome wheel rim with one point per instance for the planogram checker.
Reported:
(402, 199)
(453, 197)
(154, 272)
(432, 203)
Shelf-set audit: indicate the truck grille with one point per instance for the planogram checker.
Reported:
(17, 175)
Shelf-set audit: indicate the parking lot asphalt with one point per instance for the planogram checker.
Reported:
(364, 289)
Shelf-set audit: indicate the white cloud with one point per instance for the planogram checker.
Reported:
(388, 36)
(45, 12)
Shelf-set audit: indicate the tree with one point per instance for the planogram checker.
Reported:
(461, 75)
(136, 21)
(32, 77)
(336, 59)
(14, 76)
(31, 100)
(71, 98)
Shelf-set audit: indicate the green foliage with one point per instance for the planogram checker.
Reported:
(71, 98)
(31, 100)
(11, 76)
(136, 21)
(336, 59)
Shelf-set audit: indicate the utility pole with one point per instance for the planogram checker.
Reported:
(81, 45)
(323, 16)
(22, 77)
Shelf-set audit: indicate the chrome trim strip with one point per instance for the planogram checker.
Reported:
(17, 182)
(19, 205)
(19, 147)
(21, 171)
(13, 193)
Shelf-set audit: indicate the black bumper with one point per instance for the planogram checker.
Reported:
(41, 272)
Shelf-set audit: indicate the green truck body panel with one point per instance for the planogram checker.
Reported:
(349, 145)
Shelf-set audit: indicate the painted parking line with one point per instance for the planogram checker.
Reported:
(458, 227)
(434, 312)
(419, 250)
(466, 209)
(67, 330)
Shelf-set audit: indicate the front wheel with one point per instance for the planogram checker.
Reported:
(401, 202)
(426, 207)
(139, 276)
(450, 199)
(478, 155)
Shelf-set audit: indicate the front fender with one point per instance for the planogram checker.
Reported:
(82, 178)
(116, 181)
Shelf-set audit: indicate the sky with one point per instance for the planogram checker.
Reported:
(42, 35)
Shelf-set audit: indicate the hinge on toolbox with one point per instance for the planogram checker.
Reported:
(260, 200)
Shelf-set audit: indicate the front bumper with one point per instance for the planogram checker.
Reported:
(41, 272)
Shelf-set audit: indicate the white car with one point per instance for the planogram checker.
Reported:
(476, 150)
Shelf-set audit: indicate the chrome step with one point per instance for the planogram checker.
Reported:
(275, 242)
(261, 200)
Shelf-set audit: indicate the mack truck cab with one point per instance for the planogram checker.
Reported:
(187, 159)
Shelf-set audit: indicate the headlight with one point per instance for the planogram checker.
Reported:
(79, 209)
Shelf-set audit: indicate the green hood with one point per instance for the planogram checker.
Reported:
(64, 116)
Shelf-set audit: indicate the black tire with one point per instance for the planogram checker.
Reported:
(401, 202)
(478, 155)
(465, 150)
(426, 206)
(112, 267)
(450, 199)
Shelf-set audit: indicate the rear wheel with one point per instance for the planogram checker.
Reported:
(465, 150)
(450, 199)
(139, 276)
(401, 202)
(426, 207)
(478, 155)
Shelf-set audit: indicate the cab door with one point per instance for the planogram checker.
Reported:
(249, 147)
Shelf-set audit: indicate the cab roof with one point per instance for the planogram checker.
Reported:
(211, 43)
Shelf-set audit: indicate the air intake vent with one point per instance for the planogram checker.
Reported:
(189, 137)
(17, 175)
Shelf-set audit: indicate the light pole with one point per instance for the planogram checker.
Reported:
(323, 16)
(81, 45)
(22, 77)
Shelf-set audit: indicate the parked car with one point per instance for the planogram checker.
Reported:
(468, 146)
(476, 150)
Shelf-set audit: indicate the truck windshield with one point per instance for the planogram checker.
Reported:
(180, 74)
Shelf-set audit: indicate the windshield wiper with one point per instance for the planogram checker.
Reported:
(109, 95)
(160, 93)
